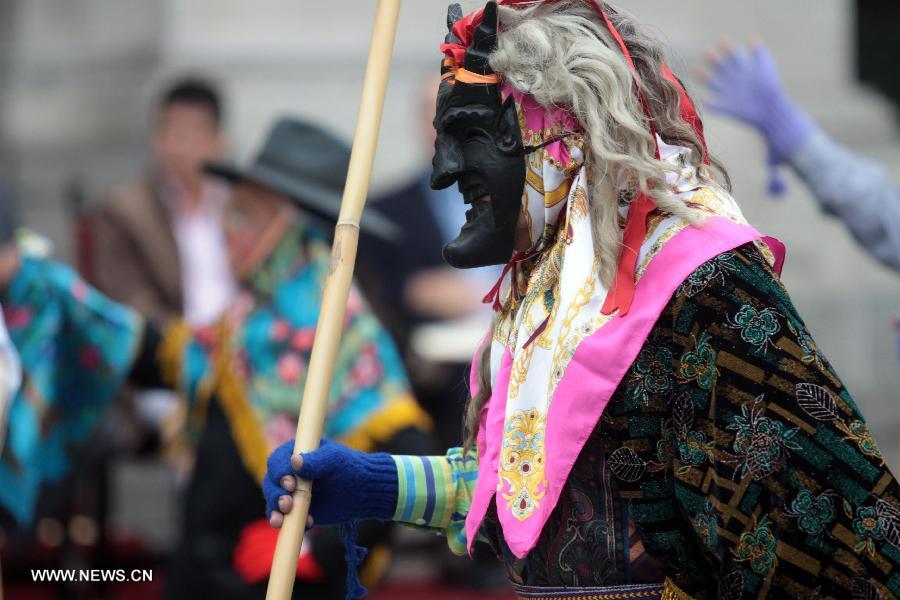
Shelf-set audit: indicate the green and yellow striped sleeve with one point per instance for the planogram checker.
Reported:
(435, 493)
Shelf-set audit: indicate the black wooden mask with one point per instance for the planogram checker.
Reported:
(479, 147)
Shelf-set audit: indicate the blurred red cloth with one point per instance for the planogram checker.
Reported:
(256, 548)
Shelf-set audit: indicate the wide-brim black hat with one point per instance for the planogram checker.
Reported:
(308, 165)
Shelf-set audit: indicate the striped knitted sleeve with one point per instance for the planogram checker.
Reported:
(435, 493)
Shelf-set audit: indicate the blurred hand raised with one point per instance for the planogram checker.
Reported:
(745, 85)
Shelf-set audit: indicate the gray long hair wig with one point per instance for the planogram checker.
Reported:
(562, 54)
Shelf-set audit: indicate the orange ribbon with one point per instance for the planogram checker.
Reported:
(466, 76)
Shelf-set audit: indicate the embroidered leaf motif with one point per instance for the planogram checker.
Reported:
(683, 414)
(732, 586)
(890, 516)
(864, 590)
(626, 465)
(817, 402)
(892, 535)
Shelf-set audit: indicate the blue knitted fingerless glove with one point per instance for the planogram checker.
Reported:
(348, 485)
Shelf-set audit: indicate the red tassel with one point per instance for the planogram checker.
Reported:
(493, 296)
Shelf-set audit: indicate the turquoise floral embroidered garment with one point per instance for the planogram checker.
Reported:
(255, 359)
(76, 348)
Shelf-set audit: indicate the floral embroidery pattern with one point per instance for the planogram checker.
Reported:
(819, 404)
(757, 547)
(757, 326)
(665, 447)
(692, 446)
(869, 528)
(858, 432)
(700, 364)
(706, 523)
(711, 270)
(694, 449)
(761, 444)
(522, 462)
(652, 373)
(367, 369)
(808, 345)
(270, 332)
(291, 367)
(874, 524)
(813, 513)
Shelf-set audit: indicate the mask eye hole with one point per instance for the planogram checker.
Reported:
(462, 129)
(469, 134)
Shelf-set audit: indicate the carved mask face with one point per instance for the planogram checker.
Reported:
(479, 147)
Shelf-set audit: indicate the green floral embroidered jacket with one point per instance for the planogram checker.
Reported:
(742, 460)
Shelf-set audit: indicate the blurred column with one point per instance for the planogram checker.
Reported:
(74, 97)
(6, 20)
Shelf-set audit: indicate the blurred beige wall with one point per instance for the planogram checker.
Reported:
(81, 77)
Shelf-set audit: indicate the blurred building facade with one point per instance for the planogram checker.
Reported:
(77, 80)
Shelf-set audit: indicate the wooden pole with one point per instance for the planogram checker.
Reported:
(337, 289)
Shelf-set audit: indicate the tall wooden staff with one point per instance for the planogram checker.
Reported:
(337, 288)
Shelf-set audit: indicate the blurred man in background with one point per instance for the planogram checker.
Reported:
(158, 243)
(246, 374)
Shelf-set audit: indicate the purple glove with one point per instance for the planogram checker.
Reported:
(746, 86)
(348, 485)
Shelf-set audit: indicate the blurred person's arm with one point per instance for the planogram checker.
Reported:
(76, 348)
(10, 375)
(442, 293)
(63, 310)
(746, 86)
(856, 190)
